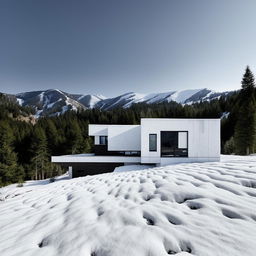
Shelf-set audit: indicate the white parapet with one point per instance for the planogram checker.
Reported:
(98, 130)
(124, 138)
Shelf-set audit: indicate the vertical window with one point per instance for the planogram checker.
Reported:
(103, 140)
(152, 142)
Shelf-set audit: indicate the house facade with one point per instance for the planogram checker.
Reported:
(156, 141)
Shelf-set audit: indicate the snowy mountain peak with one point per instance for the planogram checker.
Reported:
(55, 101)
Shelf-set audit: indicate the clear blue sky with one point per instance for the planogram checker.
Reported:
(111, 47)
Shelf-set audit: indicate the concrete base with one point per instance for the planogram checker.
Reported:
(178, 160)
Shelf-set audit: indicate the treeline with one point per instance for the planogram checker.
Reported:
(26, 148)
(10, 108)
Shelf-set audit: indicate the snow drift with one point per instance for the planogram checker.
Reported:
(186, 209)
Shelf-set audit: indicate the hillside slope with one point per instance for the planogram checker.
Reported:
(187, 209)
(55, 102)
(9, 108)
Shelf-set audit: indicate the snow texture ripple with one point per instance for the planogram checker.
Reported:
(186, 209)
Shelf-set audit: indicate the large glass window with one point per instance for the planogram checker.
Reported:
(174, 144)
(103, 140)
(152, 142)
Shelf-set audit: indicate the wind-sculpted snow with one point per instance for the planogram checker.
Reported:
(186, 209)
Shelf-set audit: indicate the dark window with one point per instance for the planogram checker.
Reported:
(171, 146)
(103, 140)
(152, 142)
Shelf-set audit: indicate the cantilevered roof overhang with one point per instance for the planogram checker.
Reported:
(91, 158)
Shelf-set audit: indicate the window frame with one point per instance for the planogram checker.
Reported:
(106, 140)
(155, 146)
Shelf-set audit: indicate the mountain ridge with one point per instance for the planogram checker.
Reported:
(55, 102)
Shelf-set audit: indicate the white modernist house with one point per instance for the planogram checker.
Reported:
(156, 141)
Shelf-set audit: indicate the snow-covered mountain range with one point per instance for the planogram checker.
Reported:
(54, 101)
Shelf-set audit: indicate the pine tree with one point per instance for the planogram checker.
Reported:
(248, 80)
(74, 138)
(40, 160)
(245, 129)
(10, 171)
(229, 146)
(52, 136)
(88, 145)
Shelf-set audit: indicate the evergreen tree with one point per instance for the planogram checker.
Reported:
(245, 129)
(229, 147)
(248, 80)
(74, 138)
(88, 145)
(52, 136)
(40, 159)
(10, 171)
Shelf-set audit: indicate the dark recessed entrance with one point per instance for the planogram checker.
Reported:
(83, 169)
(174, 144)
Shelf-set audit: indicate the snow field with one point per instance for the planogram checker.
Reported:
(186, 209)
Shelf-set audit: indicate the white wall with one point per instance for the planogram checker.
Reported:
(96, 140)
(120, 137)
(98, 130)
(203, 138)
(124, 138)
